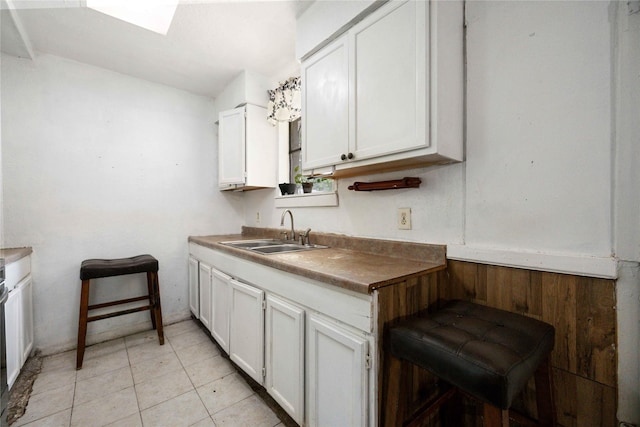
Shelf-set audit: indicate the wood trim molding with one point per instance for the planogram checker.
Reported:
(601, 267)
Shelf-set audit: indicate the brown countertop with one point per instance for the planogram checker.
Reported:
(14, 254)
(357, 264)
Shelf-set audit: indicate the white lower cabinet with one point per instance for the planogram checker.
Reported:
(204, 286)
(284, 355)
(220, 285)
(12, 318)
(26, 301)
(306, 343)
(337, 375)
(194, 288)
(19, 327)
(246, 329)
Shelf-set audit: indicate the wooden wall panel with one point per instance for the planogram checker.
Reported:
(559, 309)
(581, 309)
(596, 334)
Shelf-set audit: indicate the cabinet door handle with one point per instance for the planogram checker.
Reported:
(346, 156)
(350, 156)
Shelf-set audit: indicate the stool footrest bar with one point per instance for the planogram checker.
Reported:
(118, 313)
(119, 302)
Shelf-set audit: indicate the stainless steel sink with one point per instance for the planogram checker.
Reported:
(292, 247)
(248, 244)
(271, 246)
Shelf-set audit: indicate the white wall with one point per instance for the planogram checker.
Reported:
(551, 174)
(97, 164)
(538, 175)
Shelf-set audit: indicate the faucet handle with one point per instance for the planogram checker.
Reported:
(305, 237)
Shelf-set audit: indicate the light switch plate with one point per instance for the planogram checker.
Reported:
(404, 218)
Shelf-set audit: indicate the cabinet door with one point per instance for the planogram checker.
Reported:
(220, 306)
(231, 147)
(389, 66)
(325, 106)
(336, 375)
(246, 329)
(284, 356)
(26, 318)
(13, 335)
(204, 284)
(194, 289)
(261, 145)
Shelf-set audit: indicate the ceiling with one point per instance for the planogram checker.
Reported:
(208, 44)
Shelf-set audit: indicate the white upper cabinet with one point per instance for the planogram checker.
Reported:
(389, 81)
(247, 149)
(325, 108)
(231, 146)
(373, 98)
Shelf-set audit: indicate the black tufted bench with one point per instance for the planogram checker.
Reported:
(97, 268)
(487, 353)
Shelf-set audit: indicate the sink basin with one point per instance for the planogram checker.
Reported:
(248, 244)
(278, 249)
(271, 246)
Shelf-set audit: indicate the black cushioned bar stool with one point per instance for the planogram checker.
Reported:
(486, 353)
(97, 268)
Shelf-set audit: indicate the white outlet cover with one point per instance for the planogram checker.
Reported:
(404, 218)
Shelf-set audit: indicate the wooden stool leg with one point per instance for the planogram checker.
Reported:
(494, 416)
(82, 323)
(157, 307)
(544, 395)
(152, 298)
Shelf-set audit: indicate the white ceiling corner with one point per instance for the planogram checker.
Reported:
(208, 43)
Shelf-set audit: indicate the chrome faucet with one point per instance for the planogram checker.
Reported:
(293, 233)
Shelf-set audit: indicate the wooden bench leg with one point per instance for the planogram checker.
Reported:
(494, 416)
(544, 395)
(82, 322)
(156, 306)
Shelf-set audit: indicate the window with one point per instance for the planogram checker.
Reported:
(320, 184)
(323, 192)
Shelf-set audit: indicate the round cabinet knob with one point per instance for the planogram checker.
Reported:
(350, 156)
(346, 156)
(343, 157)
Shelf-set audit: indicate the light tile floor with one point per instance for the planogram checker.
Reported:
(133, 381)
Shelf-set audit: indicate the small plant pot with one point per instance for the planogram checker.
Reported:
(307, 187)
(287, 188)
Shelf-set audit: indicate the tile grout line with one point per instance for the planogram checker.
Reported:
(192, 384)
(135, 391)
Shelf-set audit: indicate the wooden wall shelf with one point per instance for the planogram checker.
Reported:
(395, 184)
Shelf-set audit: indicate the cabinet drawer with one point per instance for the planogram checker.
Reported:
(16, 271)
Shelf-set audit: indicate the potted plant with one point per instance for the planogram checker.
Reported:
(305, 182)
(287, 188)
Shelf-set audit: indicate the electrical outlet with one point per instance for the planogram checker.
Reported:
(258, 217)
(404, 218)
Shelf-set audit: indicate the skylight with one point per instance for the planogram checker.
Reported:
(153, 15)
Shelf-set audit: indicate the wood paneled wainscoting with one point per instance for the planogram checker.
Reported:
(582, 309)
